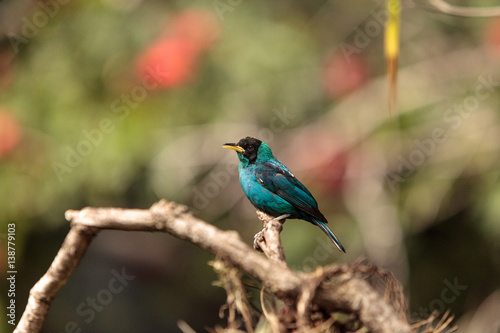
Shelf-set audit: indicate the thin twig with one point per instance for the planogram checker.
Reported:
(306, 295)
(236, 294)
(446, 8)
(271, 316)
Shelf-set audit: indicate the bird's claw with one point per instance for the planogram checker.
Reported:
(259, 237)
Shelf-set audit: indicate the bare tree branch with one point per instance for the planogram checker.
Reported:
(337, 288)
(42, 294)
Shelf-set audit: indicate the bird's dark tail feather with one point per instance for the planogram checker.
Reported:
(330, 234)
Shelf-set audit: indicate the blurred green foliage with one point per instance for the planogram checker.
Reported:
(417, 192)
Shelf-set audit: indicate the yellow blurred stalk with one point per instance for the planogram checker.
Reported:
(391, 49)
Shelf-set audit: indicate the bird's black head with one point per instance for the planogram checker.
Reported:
(247, 147)
(251, 146)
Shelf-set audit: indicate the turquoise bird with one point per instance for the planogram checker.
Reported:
(273, 189)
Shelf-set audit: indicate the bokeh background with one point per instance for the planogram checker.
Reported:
(123, 102)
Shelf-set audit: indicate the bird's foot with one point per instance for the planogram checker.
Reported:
(258, 238)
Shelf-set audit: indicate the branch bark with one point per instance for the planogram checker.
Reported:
(268, 240)
(42, 294)
(345, 291)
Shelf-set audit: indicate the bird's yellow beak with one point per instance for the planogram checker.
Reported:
(234, 146)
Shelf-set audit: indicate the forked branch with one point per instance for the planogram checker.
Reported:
(336, 288)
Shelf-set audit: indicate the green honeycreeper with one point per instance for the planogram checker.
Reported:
(272, 188)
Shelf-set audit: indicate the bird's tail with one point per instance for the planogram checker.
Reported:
(330, 234)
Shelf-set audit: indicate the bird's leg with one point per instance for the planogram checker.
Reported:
(282, 217)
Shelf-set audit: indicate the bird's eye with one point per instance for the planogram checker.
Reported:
(250, 148)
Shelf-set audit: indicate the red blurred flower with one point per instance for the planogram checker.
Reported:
(168, 63)
(10, 133)
(492, 37)
(173, 59)
(199, 26)
(343, 75)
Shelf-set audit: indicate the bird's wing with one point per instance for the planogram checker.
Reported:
(279, 180)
